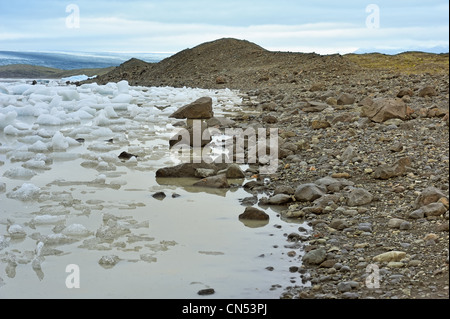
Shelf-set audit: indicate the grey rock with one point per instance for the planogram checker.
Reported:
(347, 286)
(359, 197)
(417, 214)
(315, 257)
(283, 189)
(405, 226)
(280, 199)
(434, 209)
(349, 154)
(428, 196)
(395, 223)
(219, 181)
(234, 171)
(204, 172)
(252, 213)
(345, 99)
(390, 171)
(308, 192)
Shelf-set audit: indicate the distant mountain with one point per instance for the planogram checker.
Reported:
(435, 50)
(75, 60)
(25, 71)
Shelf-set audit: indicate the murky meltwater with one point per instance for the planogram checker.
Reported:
(76, 203)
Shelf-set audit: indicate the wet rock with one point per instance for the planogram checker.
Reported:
(204, 172)
(390, 256)
(206, 292)
(315, 257)
(359, 197)
(186, 169)
(234, 171)
(252, 213)
(388, 171)
(159, 195)
(280, 199)
(428, 196)
(109, 261)
(219, 181)
(199, 109)
(383, 109)
(126, 156)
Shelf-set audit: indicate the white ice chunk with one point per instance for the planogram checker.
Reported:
(16, 231)
(122, 98)
(47, 219)
(35, 164)
(69, 95)
(26, 192)
(123, 87)
(7, 119)
(38, 147)
(19, 173)
(76, 230)
(109, 112)
(59, 142)
(2, 187)
(47, 119)
(102, 132)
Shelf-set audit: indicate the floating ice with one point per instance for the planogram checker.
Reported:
(59, 142)
(123, 87)
(26, 192)
(38, 147)
(47, 220)
(35, 164)
(19, 173)
(2, 187)
(122, 98)
(8, 119)
(76, 230)
(69, 95)
(47, 119)
(16, 232)
(77, 78)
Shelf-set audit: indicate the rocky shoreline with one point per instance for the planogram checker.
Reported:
(363, 160)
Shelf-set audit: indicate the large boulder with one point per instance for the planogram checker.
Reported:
(359, 197)
(199, 109)
(428, 196)
(187, 169)
(382, 109)
(252, 213)
(389, 171)
(308, 192)
(219, 181)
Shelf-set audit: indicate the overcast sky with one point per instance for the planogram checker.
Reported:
(323, 26)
